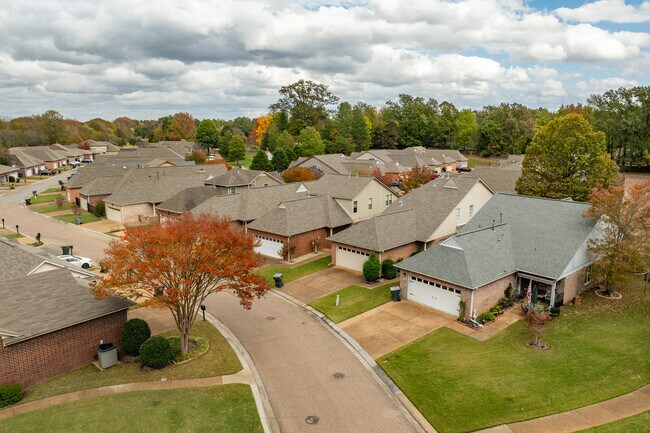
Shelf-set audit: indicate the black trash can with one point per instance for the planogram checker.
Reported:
(65, 250)
(28, 201)
(394, 293)
(278, 280)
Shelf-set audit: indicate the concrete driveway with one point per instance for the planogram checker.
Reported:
(319, 284)
(393, 325)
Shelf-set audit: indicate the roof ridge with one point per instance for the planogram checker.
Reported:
(559, 200)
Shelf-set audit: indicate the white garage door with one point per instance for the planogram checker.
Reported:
(28, 172)
(434, 295)
(113, 214)
(84, 203)
(268, 247)
(350, 258)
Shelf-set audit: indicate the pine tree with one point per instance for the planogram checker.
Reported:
(260, 161)
(280, 161)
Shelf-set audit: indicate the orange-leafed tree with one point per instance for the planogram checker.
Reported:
(182, 126)
(299, 174)
(624, 246)
(178, 263)
(417, 176)
(385, 178)
(262, 125)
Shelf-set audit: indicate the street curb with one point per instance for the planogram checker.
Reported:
(408, 409)
(63, 222)
(266, 413)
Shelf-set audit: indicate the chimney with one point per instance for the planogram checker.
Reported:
(493, 225)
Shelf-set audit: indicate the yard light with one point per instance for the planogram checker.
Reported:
(203, 311)
(3, 223)
(17, 232)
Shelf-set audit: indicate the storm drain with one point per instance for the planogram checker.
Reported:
(338, 375)
(270, 318)
(311, 420)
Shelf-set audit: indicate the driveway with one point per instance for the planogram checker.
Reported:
(319, 284)
(296, 357)
(393, 325)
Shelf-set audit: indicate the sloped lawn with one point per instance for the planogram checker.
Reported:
(290, 274)
(227, 408)
(353, 301)
(634, 424)
(51, 208)
(598, 350)
(86, 218)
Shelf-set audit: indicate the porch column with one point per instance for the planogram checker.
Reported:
(552, 302)
(518, 292)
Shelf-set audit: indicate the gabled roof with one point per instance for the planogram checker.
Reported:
(333, 161)
(499, 180)
(23, 159)
(382, 232)
(532, 235)
(69, 152)
(239, 177)
(43, 153)
(293, 217)
(188, 199)
(343, 186)
(4, 169)
(87, 174)
(101, 186)
(110, 147)
(144, 153)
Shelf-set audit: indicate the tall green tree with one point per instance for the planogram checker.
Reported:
(50, 124)
(306, 103)
(310, 142)
(236, 149)
(415, 118)
(261, 161)
(567, 158)
(244, 124)
(207, 133)
(385, 135)
(466, 130)
(517, 124)
(280, 161)
(360, 129)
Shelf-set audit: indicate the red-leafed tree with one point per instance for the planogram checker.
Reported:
(299, 174)
(84, 146)
(417, 176)
(385, 178)
(176, 264)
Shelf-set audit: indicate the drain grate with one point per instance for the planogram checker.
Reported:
(311, 420)
(338, 375)
(270, 317)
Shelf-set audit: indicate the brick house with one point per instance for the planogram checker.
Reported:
(26, 164)
(50, 322)
(237, 180)
(513, 240)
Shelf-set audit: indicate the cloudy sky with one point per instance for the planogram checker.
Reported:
(221, 59)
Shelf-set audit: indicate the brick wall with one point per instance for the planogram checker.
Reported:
(402, 252)
(302, 241)
(573, 285)
(59, 352)
(73, 194)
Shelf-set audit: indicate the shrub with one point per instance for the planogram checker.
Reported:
(418, 251)
(508, 291)
(487, 316)
(555, 311)
(59, 199)
(496, 310)
(388, 269)
(371, 268)
(134, 333)
(156, 352)
(10, 394)
(12, 187)
(100, 208)
(12, 179)
(462, 308)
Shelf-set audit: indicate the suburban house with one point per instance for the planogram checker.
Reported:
(135, 197)
(86, 175)
(52, 158)
(50, 321)
(7, 172)
(87, 155)
(515, 241)
(71, 154)
(98, 190)
(437, 159)
(143, 157)
(335, 163)
(414, 222)
(26, 164)
(238, 179)
(102, 147)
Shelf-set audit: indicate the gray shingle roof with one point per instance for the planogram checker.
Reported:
(89, 173)
(340, 185)
(537, 236)
(499, 180)
(43, 153)
(101, 186)
(70, 153)
(333, 161)
(45, 302)
(239, 177)
(382, 232)
(188, 199)
(4, 169)
(144, 153)
(23, 159)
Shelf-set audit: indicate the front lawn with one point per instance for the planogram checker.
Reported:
(634, 424)
(51, 208)
(86, 218)
(51, 190)
(43, 199)
(598, 350)
(219, 360)
(227, 408)
(353, 300)
(291, 274)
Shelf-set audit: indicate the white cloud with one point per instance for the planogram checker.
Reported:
(615, 11)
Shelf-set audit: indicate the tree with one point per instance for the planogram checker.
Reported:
(260, 161)
(178, 263)
(244, 124)
(385, 136)
(310, 143)
(5, 156)
(385, 178)
(339, 145)
(371, 268)
(236, 149)
(50, 124)
(359, 129)
(466, 130)
(59, 199)
(516, 123)
(207, 133)
(298, 174)
(417, 176)
(181, 127)
(624, 245)
(198, 156)
(262, 125)
(415, 118)
(280, 161)
(536, 318)
(306, 103)
(84, 145)
(566, 159)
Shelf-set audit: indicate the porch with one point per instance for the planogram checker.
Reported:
(543, 290)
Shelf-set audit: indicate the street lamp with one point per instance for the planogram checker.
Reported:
(203, 311)
(17, 232)
(3, 223)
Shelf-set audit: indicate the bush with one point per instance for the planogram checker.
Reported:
(12, 179)
(496, 310)
(487, 317)
(555, 311)
(418, 251)
(135, 332)
(156, 352)
(100, 208)
(10, 394)
(371, 268)
(388, 269)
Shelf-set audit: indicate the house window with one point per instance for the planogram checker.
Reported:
(232, 190)
(389, 199)
(355, 206)
(457, 214)
(588, 275)
(318, 166)
(370, 203)
(471, 210)
(266, 184)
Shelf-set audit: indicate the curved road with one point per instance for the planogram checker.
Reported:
(296, 356)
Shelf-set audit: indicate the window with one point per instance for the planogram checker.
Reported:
(266, 184)
(370, 203)
(471, 210)
(389, 199)
(588, 275)
(457, 214)
(232, 190)
(355, 206)
(317, 166)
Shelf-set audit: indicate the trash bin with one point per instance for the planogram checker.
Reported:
(394, 293)
(34, 193)
(65, 250)
(77, 220)
(107, 355)
(28, 201)
(278, 280)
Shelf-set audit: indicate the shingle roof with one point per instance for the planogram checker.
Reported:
(499, 180)
(188, 199)
(537, 236)
(239, 177)
(6, 169)
(44, 153)
(45, 302)
(69, 152)
(110, 147)
(340, 185)
(22, 159)
(334, 161)
(143, 153)
(87, 174)
(101, 186)
(382, 232)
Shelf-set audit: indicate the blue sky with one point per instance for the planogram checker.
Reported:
(229, 58)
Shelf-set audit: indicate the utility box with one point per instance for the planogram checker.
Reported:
(107, 355)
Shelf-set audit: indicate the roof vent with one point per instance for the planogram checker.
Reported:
(493, 225)
(501, 218)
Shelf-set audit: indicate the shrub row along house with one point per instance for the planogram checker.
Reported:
(515, 241)
(50, 321)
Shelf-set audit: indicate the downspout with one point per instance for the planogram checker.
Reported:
(553, 293)
(246, 227)
(471, 304)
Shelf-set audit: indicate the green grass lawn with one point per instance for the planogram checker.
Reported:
(220, 359)
(246, 162)
(86, 217)
(51, 190)
(598, 350)
(353, 300)
(473, 161)
(227, 408)
(43, 199)
(52, 208)
(634, 424)
(291, 274)
(13, 236)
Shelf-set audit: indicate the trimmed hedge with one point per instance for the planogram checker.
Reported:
(372, 268)
(156, 352)
(134, 333)
(388, 269)
(10, 394)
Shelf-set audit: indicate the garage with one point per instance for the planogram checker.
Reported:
(350, 258)
(113, 214)
(268, 246)
(434, 295)
(83, 202)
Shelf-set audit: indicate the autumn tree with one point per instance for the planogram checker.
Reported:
(261, 126)
(566, 159)
(385, 178)
(181, 127)
(236, 149)
(4, 156)
(624, 245)
(84, 145)
(306, 103)
(298, 174)
(178, 263)
(417, 176)
(536, 319)
(198, 156)
(50, 124)
(260, 161)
